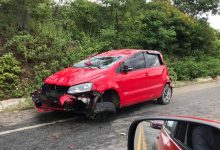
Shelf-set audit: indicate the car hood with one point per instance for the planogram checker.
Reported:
(73, 76)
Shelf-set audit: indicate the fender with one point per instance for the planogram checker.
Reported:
(102, 84)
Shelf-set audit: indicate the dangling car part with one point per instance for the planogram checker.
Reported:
(88, 103)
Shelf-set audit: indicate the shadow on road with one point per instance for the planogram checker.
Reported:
(133, 110)
(32, 117)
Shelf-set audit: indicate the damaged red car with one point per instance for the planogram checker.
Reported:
(106, 82)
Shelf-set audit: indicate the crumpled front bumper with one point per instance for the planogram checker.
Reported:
(80, 103)
(89, 103)
(43, 104)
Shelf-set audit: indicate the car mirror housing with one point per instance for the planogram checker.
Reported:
(177, 132)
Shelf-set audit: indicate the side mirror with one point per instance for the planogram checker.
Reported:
(156, 124)
(175, 133)
(127, 68)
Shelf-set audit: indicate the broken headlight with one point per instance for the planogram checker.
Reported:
(85, 87)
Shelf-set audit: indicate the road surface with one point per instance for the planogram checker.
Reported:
(31, 130)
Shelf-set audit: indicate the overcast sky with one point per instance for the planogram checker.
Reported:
(215, 22)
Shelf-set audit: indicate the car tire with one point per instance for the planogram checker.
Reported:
(102, 111)
(98, 117)
(166, 95)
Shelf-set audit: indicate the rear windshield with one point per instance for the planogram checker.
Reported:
(98, 62)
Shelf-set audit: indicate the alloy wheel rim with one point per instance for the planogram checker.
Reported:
(167, 95)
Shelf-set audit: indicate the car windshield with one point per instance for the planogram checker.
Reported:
(98, 62)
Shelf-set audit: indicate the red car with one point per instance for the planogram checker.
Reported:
(105, 82)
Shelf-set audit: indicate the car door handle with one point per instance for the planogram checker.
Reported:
(146, 74)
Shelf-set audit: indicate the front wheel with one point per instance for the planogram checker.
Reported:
(166, 95)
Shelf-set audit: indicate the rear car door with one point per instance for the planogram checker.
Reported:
(173, 136)
(155, 74)
(165, 141)
(134, 82)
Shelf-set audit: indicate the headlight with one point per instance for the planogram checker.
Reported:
(85, 87)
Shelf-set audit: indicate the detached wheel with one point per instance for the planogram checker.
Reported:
(166, 95)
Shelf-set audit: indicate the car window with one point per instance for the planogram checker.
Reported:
(98, 61)
(152, 60)
(178, 132)
(171, 126)
(136, 62)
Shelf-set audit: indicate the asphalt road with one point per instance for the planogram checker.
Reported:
(145, 136)
(31, 130)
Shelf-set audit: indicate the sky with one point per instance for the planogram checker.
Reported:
(214, 21)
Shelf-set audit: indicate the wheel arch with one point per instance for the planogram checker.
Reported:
(161, 98)
(170, 84)
(113, 96)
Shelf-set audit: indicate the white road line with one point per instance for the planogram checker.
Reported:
(35, 126)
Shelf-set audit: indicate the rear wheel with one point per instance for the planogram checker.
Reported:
(166, 95)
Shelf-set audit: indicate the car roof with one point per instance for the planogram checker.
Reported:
(125, 52)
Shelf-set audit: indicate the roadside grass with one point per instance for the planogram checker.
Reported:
(23, 105)
(178, 84)
(27, 104)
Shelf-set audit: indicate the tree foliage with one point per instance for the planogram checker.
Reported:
(167, 28)
(198, 7)
(44, 36)
(9, 76)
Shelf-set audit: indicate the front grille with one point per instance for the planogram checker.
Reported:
(50, 87)
(53, 92)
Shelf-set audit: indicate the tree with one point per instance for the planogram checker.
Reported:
(22, 15)
(167, 28)
(198, 7)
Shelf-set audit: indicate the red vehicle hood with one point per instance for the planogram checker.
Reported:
(73, 76)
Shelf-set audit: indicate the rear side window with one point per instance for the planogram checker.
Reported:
(136, 62)
(171, 126)
(180, 134)
(153, 60)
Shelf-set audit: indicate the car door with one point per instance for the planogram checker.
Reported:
(155, 74)
(134, 83)
(165, 141)
(173, 136)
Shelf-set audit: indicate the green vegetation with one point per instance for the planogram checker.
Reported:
(193, 7)
(190, 68)
(38, 38)
(9, 76)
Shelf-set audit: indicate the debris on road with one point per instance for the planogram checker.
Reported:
(71, 147)
(122, 134)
